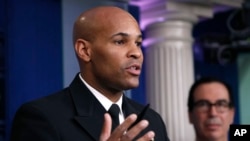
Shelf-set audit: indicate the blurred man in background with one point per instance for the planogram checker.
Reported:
(211, 109)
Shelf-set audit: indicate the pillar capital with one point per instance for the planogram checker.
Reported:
(160, 10)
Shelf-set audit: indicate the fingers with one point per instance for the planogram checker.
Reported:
(122, 128)
(123, 134)
(149, 136)
(106, 128)
(133, 132)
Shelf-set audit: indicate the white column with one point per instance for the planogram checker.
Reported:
(170, 72)
(169, 57)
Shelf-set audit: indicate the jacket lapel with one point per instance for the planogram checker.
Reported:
(90, 112)
(91, 125)
(127, 107)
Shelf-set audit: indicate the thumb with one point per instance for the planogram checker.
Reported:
(106, 128)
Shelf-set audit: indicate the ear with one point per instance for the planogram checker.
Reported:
(82, 49)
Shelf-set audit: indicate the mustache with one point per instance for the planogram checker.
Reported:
(214, 120)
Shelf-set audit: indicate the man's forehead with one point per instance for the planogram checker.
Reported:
(120, 29)
(211, 91)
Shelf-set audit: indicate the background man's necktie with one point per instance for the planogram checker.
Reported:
(114, 112)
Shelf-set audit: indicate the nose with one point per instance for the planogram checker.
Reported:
(213, 111)
(135, 52)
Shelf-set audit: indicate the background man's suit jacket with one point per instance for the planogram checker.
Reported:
(73, 114)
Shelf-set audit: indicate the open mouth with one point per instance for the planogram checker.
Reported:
(134, 69)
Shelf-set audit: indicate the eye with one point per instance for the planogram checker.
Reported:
(138, 44)
(222, 103)
(119, 42)
(201, 103)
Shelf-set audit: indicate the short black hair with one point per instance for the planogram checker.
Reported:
(205, 80)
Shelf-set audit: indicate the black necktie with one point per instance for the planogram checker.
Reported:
(114, 112)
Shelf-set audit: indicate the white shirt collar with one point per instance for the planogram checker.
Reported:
(106, 103)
